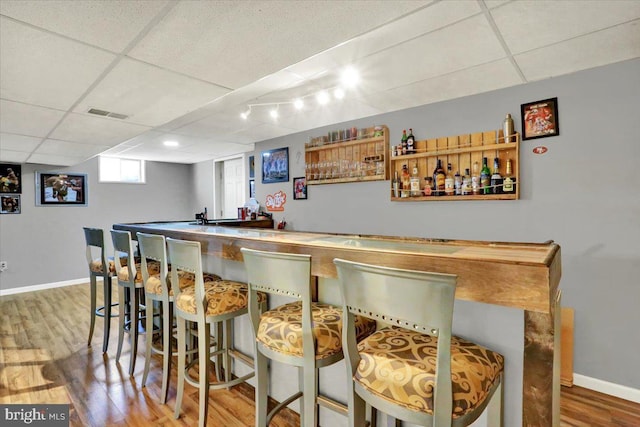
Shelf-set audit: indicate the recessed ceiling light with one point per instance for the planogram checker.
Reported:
(274, 113)
(338, 93)
(350, 77)
(322, 97)
(171, 143)
(298, 104)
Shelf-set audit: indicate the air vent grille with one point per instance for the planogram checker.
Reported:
(107, 114)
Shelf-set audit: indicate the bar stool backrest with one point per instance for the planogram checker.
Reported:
(95, 239)
(186, 256)
(281, 274)
(123, 248)
(153, 246)
(420, 301)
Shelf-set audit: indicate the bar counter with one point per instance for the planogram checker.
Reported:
(520, 275)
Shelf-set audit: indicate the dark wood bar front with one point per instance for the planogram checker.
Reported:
(519, 275)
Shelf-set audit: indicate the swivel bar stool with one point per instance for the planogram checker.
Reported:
(99, 266)
(414, 369)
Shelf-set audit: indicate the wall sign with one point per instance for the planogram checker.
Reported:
(275, 202)
(541, 149)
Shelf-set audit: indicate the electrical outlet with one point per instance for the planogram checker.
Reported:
(3, 265)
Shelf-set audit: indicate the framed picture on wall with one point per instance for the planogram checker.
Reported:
(10, 178)
(252, 167)
(252, 188)
(540, 119)
(275, 165)
(61, 189)
(9, 204)
(300, 188)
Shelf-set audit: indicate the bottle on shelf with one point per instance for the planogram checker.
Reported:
(509, 182)
(508, 129)
(406, 182)
(411, 142)
(496, 178)
(475, 179)
(414, 181)
(485, 177)
(396, 185)
(449, 182)
(466, 183)
(457, 184)
(403, 142)
(438, 179)
(428, 186)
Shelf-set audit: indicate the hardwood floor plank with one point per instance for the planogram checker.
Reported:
(44, 358)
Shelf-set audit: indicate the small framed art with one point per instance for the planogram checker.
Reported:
(540, 119)
(10, 178)
(300, 188)
(61, 189)
(275, 165)
(9, 204)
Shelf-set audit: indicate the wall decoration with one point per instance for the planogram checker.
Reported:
(275, 165)
(252, 188)
(252, 167)
(541, 149)
(9, 204)
(540, 119)
(300, 188)
(63, 189)
(275, 202)
(10, 178)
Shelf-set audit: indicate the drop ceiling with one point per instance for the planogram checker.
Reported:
(185, 70)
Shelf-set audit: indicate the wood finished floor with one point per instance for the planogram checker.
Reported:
(44, 358)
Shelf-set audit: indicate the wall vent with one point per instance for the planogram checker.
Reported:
(107, 114)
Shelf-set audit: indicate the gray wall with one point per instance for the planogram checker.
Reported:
(45, 244)
(583, 193)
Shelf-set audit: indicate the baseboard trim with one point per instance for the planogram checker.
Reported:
(43, 286)
(617, 390)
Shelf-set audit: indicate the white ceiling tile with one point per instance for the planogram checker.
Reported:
(62, 148)
(149, 95)
(90, 21)
(51, 159)
(255, 39)
(24, 119)
(463, 45)
(604, 47)
(39, 68)
(95, 130)
(13, 156)
(527, 25)
(9, 141)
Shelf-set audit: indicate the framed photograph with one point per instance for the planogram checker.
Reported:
(10, 178)
(300, 188)
(9, 204)
(252, 188)
(540, 119)
(252, 167)
(61, 189)
(275, 165)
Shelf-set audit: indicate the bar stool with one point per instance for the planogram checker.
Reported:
(129, 292)
(303, 333)
(211, 302)
(158, 288)
(414, 369)
(99, 267)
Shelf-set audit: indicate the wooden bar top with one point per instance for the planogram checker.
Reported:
(522, 275)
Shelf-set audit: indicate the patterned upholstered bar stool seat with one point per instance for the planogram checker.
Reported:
(155, 268)
(414, 369)
(103, 267)
(130, 291)
(302, 333)
(209, 302)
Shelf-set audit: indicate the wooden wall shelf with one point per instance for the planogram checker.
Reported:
(353, 160)
(462, 151)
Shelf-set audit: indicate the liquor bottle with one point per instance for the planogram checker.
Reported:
(509, 182)
(448, 182)
(485, 177)
(466, 183)
(475, 179)
(403, 142)
(438, 179)
(507, 128)
(457, 183)
(496, 178)
(414, 181)
(411, 142)
(428, 186)
(406, 182)
(395, 185)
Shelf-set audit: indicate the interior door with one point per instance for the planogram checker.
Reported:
(233, 187)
